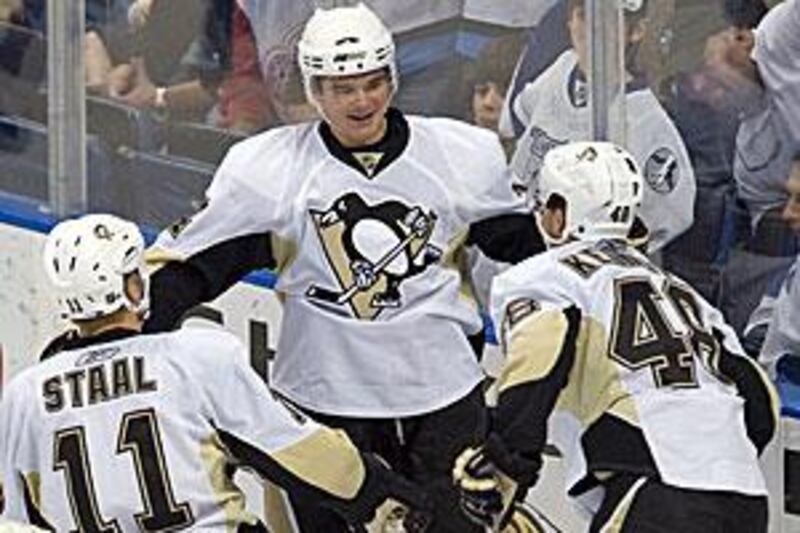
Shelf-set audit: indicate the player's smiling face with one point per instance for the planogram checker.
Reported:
(355, 106)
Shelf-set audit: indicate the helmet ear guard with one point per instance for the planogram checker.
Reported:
(344, 41)
(89, 259)
(601, 186)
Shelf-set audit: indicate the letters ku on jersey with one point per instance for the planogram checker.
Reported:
(649, 387)
(371, 265)
(143, 433)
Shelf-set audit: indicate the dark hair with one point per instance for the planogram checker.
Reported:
(556, 201)
(496, 61)
(744, 13)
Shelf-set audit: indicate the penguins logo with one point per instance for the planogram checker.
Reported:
(372, 249)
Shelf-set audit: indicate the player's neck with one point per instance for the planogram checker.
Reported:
(122, 319)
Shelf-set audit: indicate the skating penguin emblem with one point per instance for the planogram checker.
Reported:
(372, 249)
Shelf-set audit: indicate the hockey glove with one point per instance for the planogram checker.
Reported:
(387, 490)
(489, 479)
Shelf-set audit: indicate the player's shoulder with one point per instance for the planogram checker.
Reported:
(204, 354)
(272, 140)
(269, 153)
(563, 65)
(451, 130)
(202, 342)
(568, 270)
(23, 386)
(474, 154)
(529, 275)
(644, 107)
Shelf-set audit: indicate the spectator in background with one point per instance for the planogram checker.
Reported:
(182, 49)
(244, 102)
(760, 70)
(288, 98)
(774, 330)
(22, 62)
(545, 42)
(194, 60)
(23, 52)
(763, 69)
(706, 110)
(489, 76)
(549, 38)
(554, 110)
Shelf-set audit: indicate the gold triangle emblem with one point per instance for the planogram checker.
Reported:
(369, 161)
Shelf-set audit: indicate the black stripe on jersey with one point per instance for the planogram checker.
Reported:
(258, 527)
(508, 238)
(70, 340)
(34, 515)
(611, 444)
(180, 285)
(58, 344)
(522, 410)
(758, 411)
(360, 509)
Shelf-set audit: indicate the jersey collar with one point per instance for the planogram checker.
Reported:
(72, 341)
(390, 146)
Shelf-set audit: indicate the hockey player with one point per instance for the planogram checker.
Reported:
(554, 109)
(122, 431)
(364, 216)
(647, 392)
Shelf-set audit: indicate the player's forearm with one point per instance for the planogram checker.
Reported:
(532, 380)
(174, 289)
(180, 285)
(328, 469)
(507, 238)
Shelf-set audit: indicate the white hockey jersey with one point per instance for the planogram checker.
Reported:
(370, 267)
(142, 433)
(554, 109)
(642, 375)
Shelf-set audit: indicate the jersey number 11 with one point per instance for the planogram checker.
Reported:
(139, 435)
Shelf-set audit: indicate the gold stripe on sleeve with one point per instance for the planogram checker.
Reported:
(226, 494)
(326, 459)
(534, 346)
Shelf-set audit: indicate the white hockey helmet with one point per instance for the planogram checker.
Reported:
(600, 183)
(87, 260)
(344, 41)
